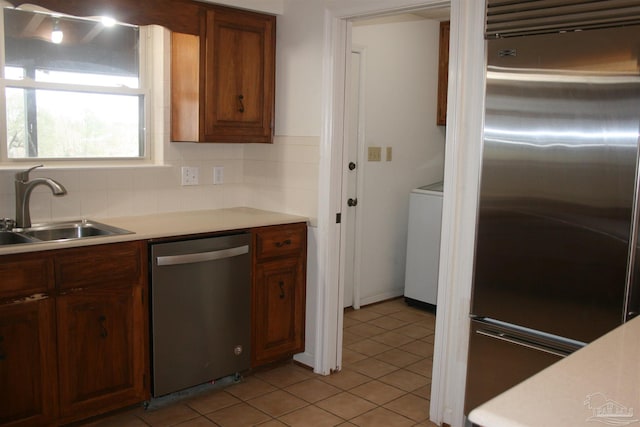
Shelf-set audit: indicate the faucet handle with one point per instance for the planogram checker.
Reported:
(7, 224)
(24, 175)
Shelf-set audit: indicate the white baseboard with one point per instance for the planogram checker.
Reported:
(382, 297)
(306, 359)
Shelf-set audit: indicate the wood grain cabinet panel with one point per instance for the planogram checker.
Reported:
(234, 76)
(279, 302)
(27, 364)
(279, 289)
(280, 241)
(98, 265)
(443, 74)
(73, 333)
(24, 275)
(100, 350)
(185, 87)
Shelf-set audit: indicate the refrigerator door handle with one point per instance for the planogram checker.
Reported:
(517, 341)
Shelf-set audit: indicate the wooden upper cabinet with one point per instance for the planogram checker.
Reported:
(223, 82)
(443, 74)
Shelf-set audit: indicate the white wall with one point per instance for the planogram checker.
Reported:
(400, 92)
(284, 176)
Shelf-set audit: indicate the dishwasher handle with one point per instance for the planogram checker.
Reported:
(202, 256)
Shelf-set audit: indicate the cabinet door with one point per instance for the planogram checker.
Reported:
(101, 350)
(443, 74)
(279, 302)
(239, 76)
(27, 364)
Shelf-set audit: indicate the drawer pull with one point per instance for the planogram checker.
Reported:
(103, 328)
(282, 244)
(240, 98)
(281, 285)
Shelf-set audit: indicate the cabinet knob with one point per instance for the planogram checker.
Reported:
(240, 98)
(281, 285)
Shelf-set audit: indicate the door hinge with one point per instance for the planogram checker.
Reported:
(338, 218)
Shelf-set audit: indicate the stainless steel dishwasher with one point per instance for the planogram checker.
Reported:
(200, 310)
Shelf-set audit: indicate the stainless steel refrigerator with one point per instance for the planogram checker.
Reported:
(555, 263)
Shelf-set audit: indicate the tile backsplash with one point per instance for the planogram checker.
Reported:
(282, 176)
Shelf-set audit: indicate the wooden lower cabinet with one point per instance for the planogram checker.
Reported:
(100, 350)
(27, 363)
(80, 347)
(279, 289)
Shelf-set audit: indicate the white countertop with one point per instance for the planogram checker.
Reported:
(587, 388)
(169, 224)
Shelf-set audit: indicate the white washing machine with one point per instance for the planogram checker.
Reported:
(423, 246)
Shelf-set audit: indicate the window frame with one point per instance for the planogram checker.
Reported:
(145, 46)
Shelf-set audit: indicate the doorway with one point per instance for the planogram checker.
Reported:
(392, 145)
(464, 131)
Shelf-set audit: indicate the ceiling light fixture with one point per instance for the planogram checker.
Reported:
(56, 33)
(108, 21)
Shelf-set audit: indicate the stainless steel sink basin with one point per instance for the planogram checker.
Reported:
(80, 229)
(11, 238)
(58, 231)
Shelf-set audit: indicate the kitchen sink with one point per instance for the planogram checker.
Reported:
(11, 238)
(58, 231)
(71, 230)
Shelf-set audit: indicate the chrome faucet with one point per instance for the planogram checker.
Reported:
(24, 187)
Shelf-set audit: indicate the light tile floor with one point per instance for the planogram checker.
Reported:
(384, 381)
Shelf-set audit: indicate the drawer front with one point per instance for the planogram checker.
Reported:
(24, 275)
(280, 240)
(99, 265)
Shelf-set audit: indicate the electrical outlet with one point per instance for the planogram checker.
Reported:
(218, 175)
(374, 154)
(190, 175)
(389, 154)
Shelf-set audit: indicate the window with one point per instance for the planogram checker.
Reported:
(72, 88)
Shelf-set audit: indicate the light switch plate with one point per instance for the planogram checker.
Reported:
(374, 154)
(218, 175)
(190, 175)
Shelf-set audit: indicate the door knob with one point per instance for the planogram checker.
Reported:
(352, 202)
(352, 166)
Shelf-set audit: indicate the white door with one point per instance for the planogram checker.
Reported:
(350, 215)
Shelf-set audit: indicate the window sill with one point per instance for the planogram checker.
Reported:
(83, 165)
